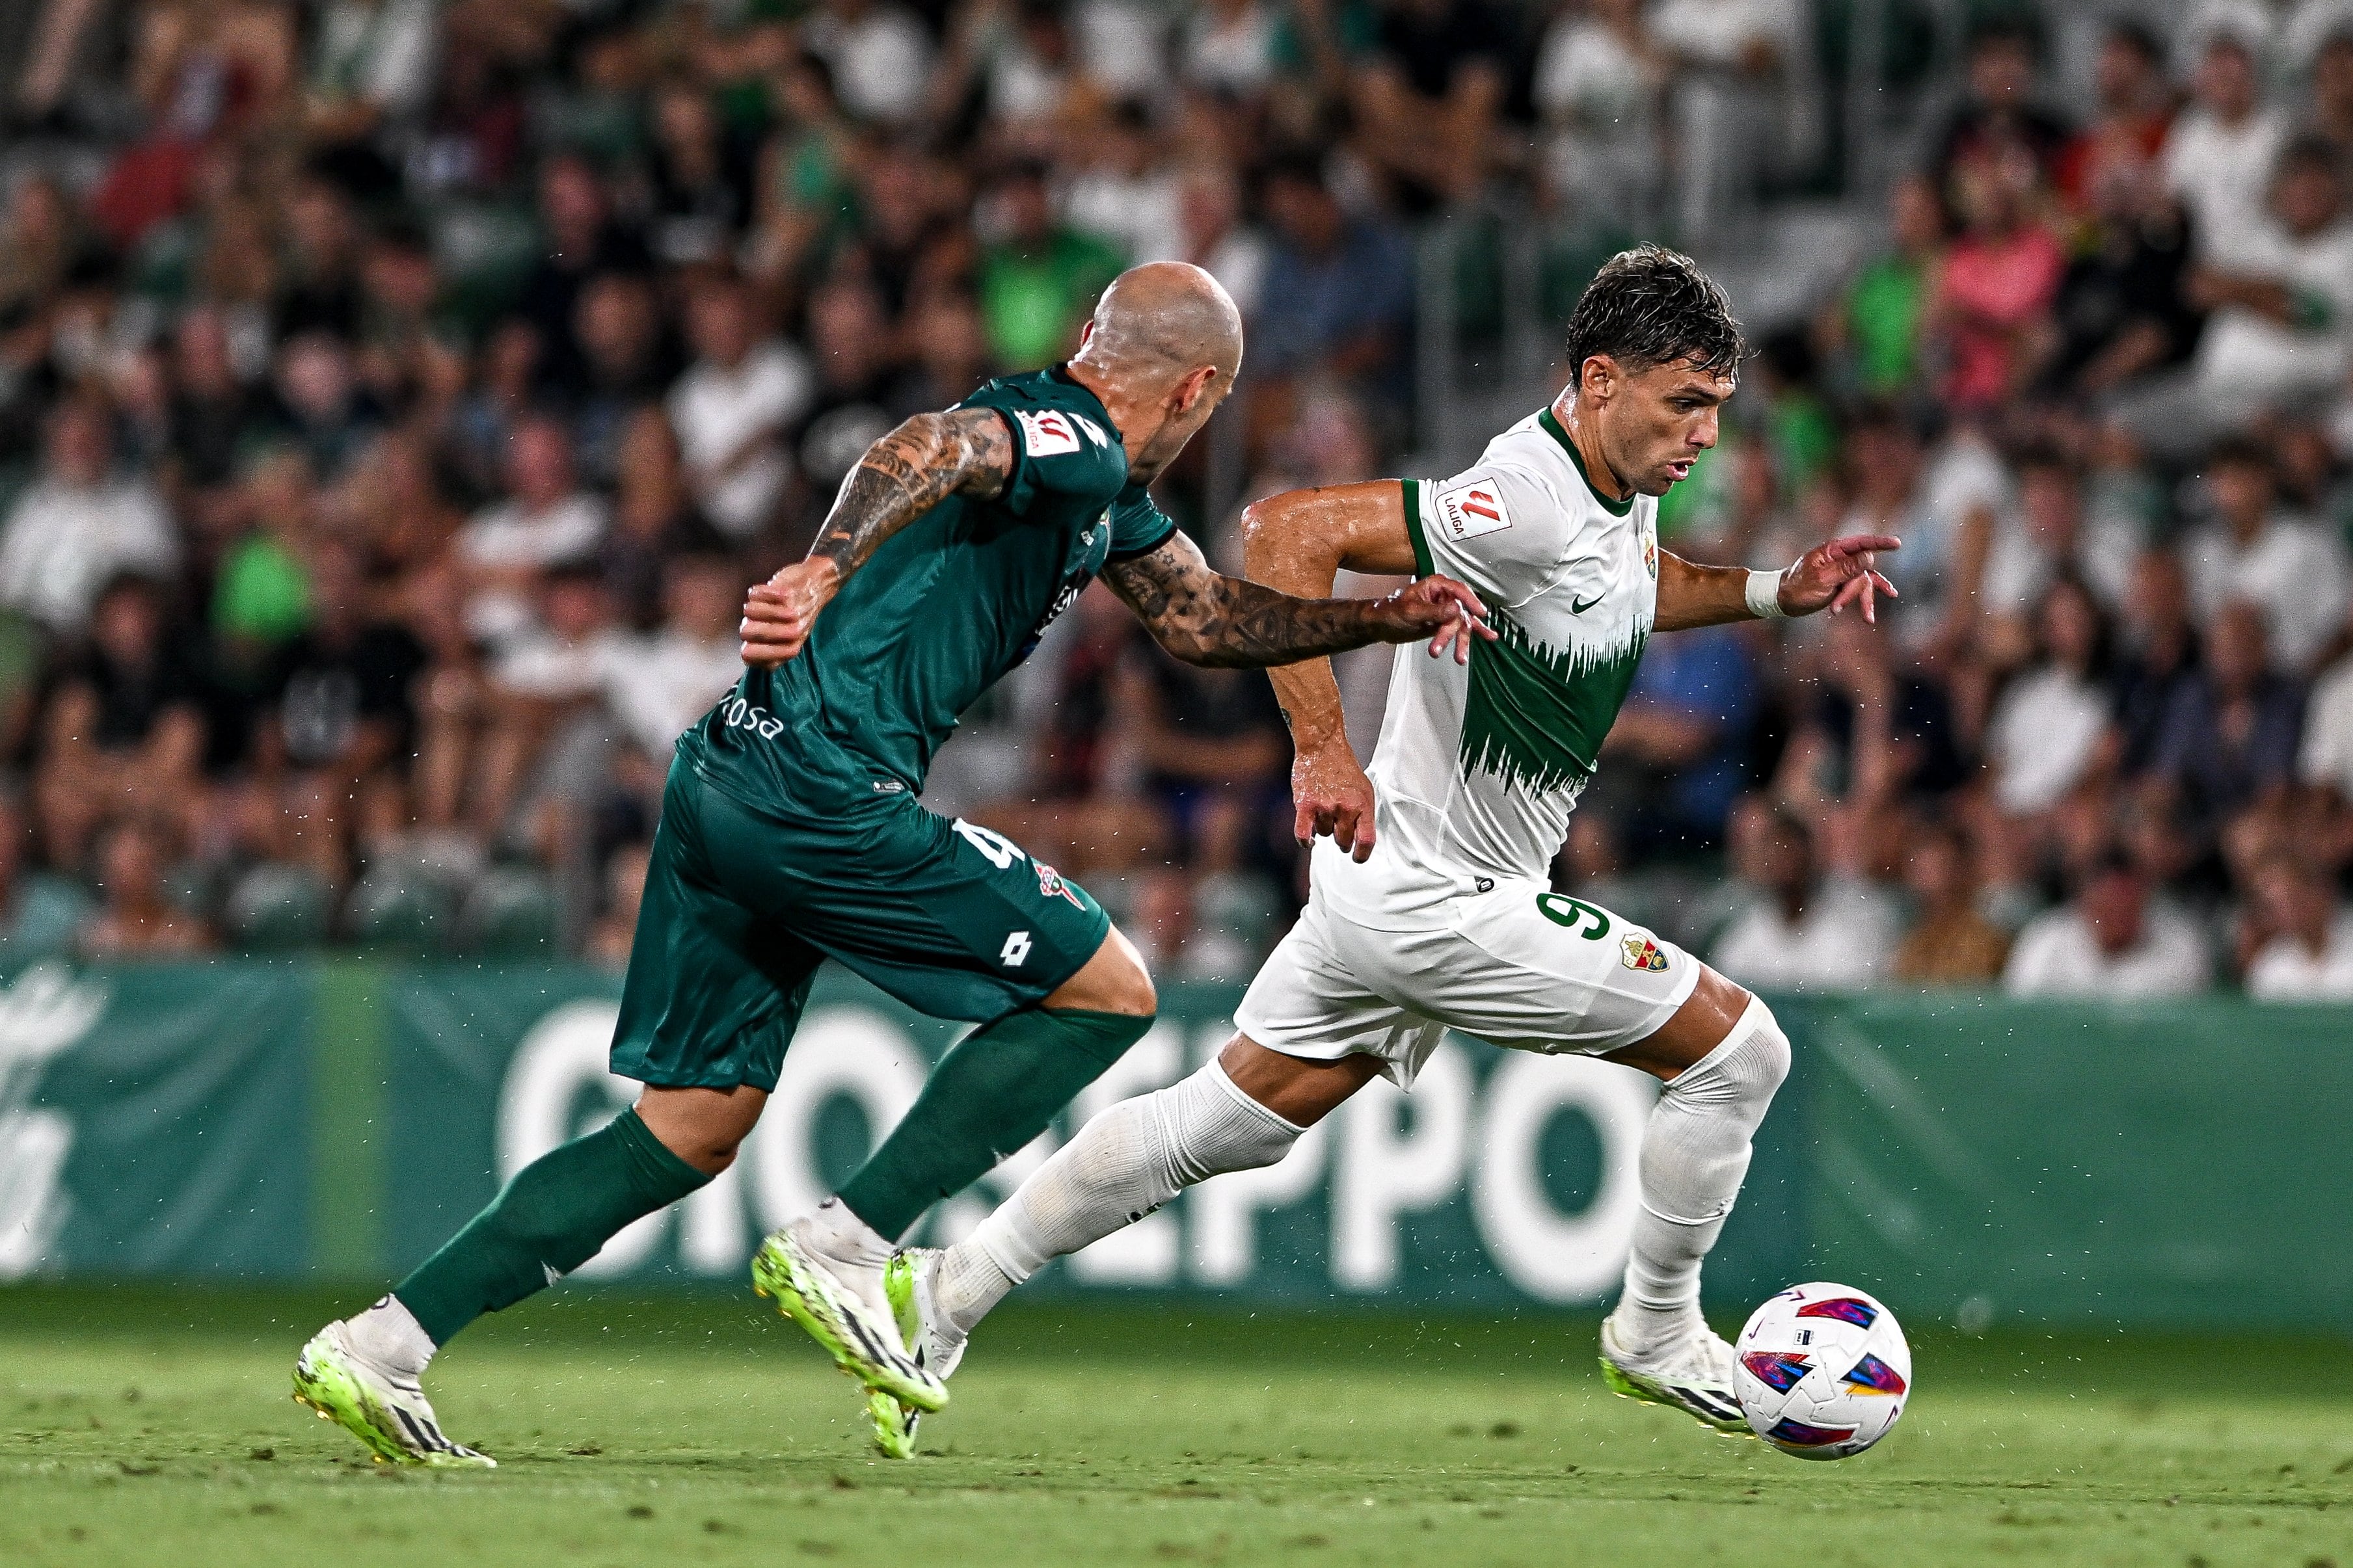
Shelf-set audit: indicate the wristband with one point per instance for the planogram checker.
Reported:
(1763, 597)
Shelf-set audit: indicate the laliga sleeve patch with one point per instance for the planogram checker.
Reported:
(1047, 433)
(1471, 508)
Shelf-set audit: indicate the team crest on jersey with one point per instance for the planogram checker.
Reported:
(1051, 886)
(1641, 952)
(1651, 553)
(1052, 432)
(1473, 508)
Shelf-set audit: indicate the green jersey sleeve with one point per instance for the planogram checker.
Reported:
(1062, 453)
(1138, 526)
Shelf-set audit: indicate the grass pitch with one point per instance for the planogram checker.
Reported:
(138, 1424)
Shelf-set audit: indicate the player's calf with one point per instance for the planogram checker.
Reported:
(1696, 1153)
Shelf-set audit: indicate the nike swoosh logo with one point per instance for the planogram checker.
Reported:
(1577, 609)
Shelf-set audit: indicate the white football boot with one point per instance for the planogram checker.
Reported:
(1692, 1373)
(936, 1346)
(842, 1304)
(385, 1409)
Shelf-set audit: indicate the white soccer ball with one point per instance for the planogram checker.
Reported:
(1823, 1370)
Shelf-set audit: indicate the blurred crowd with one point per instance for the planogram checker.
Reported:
(2099, 378)
(396, 396)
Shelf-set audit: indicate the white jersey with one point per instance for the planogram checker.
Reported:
(1477, 768)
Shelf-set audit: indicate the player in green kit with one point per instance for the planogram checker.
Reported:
(791, 834)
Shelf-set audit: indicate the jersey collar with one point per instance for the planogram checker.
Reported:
(1551, 422)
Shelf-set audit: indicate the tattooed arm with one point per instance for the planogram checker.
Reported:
(967, 451)
(1204, 617)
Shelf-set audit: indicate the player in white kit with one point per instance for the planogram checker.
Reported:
(1431, 907)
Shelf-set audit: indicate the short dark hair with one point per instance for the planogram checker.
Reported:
(1651, 306)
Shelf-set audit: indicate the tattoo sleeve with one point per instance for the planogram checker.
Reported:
(1204, 617)
(906, 473)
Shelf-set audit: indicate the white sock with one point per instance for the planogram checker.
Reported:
(1122, 1165)
(389, 1335)
(1694, 1154)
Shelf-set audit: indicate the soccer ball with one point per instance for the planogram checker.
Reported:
(1823, 1370)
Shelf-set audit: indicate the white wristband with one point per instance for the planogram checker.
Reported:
(1763, 597)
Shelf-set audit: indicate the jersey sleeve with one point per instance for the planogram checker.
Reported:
(1138, 526)
(1060, 452)
(1498, 528)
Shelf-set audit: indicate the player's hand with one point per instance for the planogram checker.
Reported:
(1334, 797)
(1438, 606)
(1843, 572)
(779, 612)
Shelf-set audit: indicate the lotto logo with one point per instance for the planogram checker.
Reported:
(1015, 949)
(1473, 508)
(1051, 433)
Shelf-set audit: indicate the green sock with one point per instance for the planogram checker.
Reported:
(992, 1094)
(552, 1218)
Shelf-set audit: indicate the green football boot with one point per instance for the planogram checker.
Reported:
(907, 1284)
(1695, 1377)
(858, 1331)
(386, 1412)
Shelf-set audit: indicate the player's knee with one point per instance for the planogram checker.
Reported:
(1768, 1052)
(1113, 980)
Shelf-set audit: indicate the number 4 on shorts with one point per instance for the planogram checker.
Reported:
(1017, 948)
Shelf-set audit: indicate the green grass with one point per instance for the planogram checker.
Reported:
(144, 1426)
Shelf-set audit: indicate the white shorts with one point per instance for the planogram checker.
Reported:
(1521, 967)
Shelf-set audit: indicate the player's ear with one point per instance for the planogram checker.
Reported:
(1596, 378)
(1194, 385)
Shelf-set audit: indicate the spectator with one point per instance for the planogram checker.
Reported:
(1172, 938)
(40, 915)
(2122, 313)
(2229, 735)
(2109, 941)
(2292, 573)
(2160, 656)
(878, 55)
(655, 519)
(1338, 295)
(1214, 753)
(1951, 943)
(2046, 537)
(1228, 46)
(1426, 98)
(2301, 939)
(626, 364)
(2046, 732)
(134, 920)
(659, 684)
(546, 518)
(1802, 931)
(1676, 754)
(344, 704)
(2126, 138)
(1741, 102)
(701, 178)
(1126, 195)
(1213, 237)
(1878, 323)
(2331, 120)
(2282, 328)
(2220, 152)
(733, 406)
(1597, 82)
(80, 523)
(617, 924)
(1041, 279)
(1998, 124)
(1992, 297)
(581, 241)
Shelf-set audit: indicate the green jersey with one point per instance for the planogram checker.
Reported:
(941, 611)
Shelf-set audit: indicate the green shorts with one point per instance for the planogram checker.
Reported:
(741, 905)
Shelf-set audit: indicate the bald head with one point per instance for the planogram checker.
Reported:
(1161, 321)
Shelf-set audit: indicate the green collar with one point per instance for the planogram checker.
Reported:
(1551, 423)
